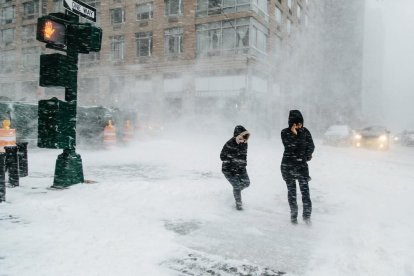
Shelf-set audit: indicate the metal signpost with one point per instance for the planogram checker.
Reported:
(57, 119)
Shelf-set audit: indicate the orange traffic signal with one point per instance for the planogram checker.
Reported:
(48, 32)
(51, 30)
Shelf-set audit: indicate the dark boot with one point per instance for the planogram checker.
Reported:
(307, 220)
(237, 197)
(239, 205)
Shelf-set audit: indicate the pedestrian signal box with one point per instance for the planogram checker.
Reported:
(56, 129)
(84, 38)
(55, 71)
(51, 30)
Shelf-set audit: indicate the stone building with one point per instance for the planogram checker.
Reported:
(163, 58)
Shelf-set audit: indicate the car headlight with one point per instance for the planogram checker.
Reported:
(383, 138)
(357, 136)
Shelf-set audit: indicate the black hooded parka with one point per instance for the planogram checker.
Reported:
(298, 149)
(233, 155)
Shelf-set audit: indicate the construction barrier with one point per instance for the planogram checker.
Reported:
(109, 136)
(128, 133)
(7, 136)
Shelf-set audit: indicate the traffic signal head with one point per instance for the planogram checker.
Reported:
(51, 30)
(84, 38)
(61, 30)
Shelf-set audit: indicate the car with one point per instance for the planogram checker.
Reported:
(375, 137)
(338, 135)
(396, 138)
(407, 138)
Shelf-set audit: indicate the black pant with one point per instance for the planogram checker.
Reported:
(304, 189)
(239, 181)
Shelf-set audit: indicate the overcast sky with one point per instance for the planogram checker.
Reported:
(398, 73)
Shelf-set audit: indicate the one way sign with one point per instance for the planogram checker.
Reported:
(81, 9)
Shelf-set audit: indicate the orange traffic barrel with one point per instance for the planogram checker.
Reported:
(7, 136)
(128, 134)
(109, 136)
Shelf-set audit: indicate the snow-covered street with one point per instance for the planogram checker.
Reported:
(163, 207)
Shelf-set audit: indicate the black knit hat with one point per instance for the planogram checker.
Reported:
(295, 117)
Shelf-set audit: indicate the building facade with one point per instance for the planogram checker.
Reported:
(162, 57)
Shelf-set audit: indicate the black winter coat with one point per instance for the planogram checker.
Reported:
(298, 150)
(233, 155)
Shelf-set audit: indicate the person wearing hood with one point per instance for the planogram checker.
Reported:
(299, 148)
(234, 157)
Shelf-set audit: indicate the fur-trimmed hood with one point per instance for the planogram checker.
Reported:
(239, 132)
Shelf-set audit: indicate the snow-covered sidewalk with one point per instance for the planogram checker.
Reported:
(163, 208)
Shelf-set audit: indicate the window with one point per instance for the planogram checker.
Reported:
(259, 39)
(31, 9)
(215, 6)
(306, 20)
(7, 36)
(30, 57)
(145, 11)
(58, 6)
(117, 47)
(173, 7)
(173, 41)
(8, 15)
(7, 61)
(144, 44)
(223, 37)
(28, 32)
(260, 6)
(278, 15)
(298, 11)
(117, 16)
(289, 3)
(211, 7)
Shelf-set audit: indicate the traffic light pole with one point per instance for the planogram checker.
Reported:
(57, 118)
(69, 169)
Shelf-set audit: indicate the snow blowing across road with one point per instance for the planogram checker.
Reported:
(163, 207)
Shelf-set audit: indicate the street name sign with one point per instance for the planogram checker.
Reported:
(81, 9)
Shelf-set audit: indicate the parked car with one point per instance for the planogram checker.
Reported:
(338, 135)
(407, 138)
(376, 137)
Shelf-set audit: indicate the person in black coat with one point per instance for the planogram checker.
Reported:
(299, 148)
(234, 157)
